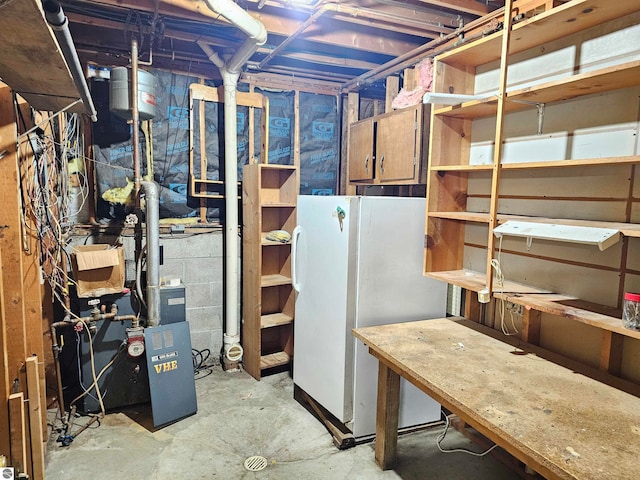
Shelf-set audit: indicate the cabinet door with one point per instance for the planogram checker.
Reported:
(361, 150)
(396, 146)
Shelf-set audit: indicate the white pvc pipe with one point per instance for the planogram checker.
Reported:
(230, 72)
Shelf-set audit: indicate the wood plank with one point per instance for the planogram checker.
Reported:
(531, 321)
(31, 61)
(4, 370)
(275, 319)
(553, 24)
(353, 112)
(570, 307)
(392, 89)
(18, 433)
(387, 408)
(274, 280)
(475, 281)
(36, 412)
(588, 83)
(611, 352)
(478, 217)
(498, 139)
(274, 360)
(11, 241)
(251, 270)
(33, 302)
(534, 392)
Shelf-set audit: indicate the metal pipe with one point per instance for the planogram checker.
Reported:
(135, 122)
(60, 26)
(152, 221)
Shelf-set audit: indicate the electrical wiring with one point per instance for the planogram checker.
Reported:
(199, 363)
(496, 265)
(440, 438)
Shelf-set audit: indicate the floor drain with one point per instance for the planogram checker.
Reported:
(255, 463)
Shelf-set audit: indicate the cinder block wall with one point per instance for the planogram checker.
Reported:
(198, 261)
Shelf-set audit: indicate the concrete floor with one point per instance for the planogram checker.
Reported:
(239, 417)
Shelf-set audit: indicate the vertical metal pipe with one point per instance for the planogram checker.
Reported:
(152, 221)
(135, 121)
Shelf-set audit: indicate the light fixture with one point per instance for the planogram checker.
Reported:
(602, 237)
(449, 98)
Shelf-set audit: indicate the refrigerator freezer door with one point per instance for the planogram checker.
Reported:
(392, 289)
(325, 271)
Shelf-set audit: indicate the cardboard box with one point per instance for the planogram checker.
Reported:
(98, 269)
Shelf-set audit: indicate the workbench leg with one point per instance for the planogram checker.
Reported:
(387, 417)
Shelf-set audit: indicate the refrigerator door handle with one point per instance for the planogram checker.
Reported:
(294, 258)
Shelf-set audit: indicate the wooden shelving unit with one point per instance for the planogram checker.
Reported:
(453, 207)
(269, 203)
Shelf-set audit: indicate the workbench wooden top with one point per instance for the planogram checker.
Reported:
(567, 423)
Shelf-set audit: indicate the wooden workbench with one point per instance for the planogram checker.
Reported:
(561, 423)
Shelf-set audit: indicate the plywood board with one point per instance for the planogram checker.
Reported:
(30, 59)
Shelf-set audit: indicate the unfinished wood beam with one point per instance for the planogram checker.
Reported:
(531, 326)
(36, 412)
(353, 112)
(4, 373)
(17, 433)
(611, 352)
(31, 257)
(472, 308)
(392, 89)
(12, 242)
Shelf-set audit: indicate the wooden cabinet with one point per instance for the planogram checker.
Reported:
(390, 148)
(547, 138)
(269, 203)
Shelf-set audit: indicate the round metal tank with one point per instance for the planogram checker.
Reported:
(120, 92)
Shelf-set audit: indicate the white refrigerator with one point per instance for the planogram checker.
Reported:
(357, 262)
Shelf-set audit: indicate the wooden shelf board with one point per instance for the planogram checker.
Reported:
(583, 162)
(461, 168)
(573, 309)
(275, 319)
(278, 205)
(476, 281)
(264, 242)
(274, 360)
(274, 280)
(464, 216)
(588, 83)
(276, 166)
(555, 23)
(627, 229)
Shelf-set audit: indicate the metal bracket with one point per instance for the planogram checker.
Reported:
(540, 107)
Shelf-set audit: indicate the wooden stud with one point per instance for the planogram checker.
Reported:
(31, 261)
(296, 132)
(386, 448)
(203, 156)
(531, 326)
(611, 352)
(472, 308)
(392, 89)
(11, 241)
(498, 141)
(4, 373)
(17, 433)
(353, 111)
(410, 79)
(36, 412)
